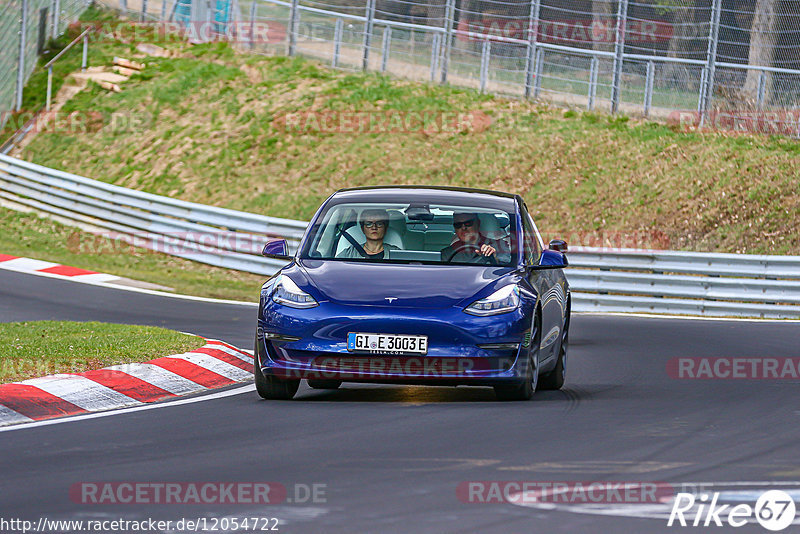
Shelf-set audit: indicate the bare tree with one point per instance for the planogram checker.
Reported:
(763, 37)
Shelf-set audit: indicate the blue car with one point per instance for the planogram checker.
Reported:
(416, 285)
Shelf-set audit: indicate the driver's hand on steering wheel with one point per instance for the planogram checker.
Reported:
(487, 250)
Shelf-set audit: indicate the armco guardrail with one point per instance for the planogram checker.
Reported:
(601, 280)
(696, 283)
(216, 236)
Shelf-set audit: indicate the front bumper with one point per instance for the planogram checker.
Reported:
(312, 343)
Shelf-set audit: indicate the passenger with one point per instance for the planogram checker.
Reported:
(470, 245)
(374, 223)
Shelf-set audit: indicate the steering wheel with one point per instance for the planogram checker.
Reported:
(491, 260)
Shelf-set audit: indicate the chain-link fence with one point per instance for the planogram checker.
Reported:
(25, 27)
(732, 64)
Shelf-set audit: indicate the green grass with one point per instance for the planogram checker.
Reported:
(38, 348)
(29, 235)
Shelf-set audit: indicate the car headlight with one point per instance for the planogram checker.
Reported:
(287, 293)
(503, 300)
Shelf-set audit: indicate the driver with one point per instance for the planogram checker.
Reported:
(374, 223)
(470, 246)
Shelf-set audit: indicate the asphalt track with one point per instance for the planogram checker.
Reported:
(391, 457)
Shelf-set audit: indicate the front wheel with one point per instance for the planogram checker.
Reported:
(271, 387)
(555, 378)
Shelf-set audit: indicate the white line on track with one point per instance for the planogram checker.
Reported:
(222, 394)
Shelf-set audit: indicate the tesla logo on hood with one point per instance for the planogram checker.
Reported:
(391, 299)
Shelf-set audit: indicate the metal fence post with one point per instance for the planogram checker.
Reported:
(252, 24)
(164, 10)
(85, 55)
(593, 69)
(142, 17)
(435, 54)
(648, 87)
(485, 51)
(762, 88)
(56, 18)
(619, 49)
(49, 87)
(533, 38)
(538, 67)
(124, 4)
(711, 61)
(337, 42)
(701, 97)
(370, 14)
(387, 43)
(449, 18)
(293, 28)
(23, 29)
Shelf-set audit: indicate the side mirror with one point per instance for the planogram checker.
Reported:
(552, 259)
(276, 248)
(558, 245)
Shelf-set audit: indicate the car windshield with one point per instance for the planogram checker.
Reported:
(413, 232)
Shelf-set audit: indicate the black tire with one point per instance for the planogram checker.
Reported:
(321, 383)
(555, 378)
(525, 391)
(272, 387)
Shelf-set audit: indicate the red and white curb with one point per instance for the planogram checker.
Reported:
(214, 365)
(28, 265)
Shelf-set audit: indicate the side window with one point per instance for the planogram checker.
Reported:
(530, 244)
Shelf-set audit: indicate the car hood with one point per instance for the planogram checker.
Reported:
(418, 286)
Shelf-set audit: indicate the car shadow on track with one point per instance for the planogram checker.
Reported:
(418, 395)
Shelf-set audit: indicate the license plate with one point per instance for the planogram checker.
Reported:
(387, 343)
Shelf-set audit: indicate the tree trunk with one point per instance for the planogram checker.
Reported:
(680, 44)
(763, 36)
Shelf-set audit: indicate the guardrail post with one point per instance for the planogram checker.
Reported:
(593, 69)
(435, 54)
(711, 61)
(648, 87)
(370, 15)
(23, 27)
(619, 49)
(533, 38)
(293, 28)
(449, 17)
(485, 55)
(142, 16)
(538, 67)
(252, 25)
(337, 42)
(387, 43)
(762, 88)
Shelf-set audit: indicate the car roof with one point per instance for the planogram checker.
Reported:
(394, 188)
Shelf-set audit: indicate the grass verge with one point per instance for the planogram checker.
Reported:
(38, 348)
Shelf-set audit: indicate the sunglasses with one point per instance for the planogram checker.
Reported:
(463, 224)
(373, 224)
